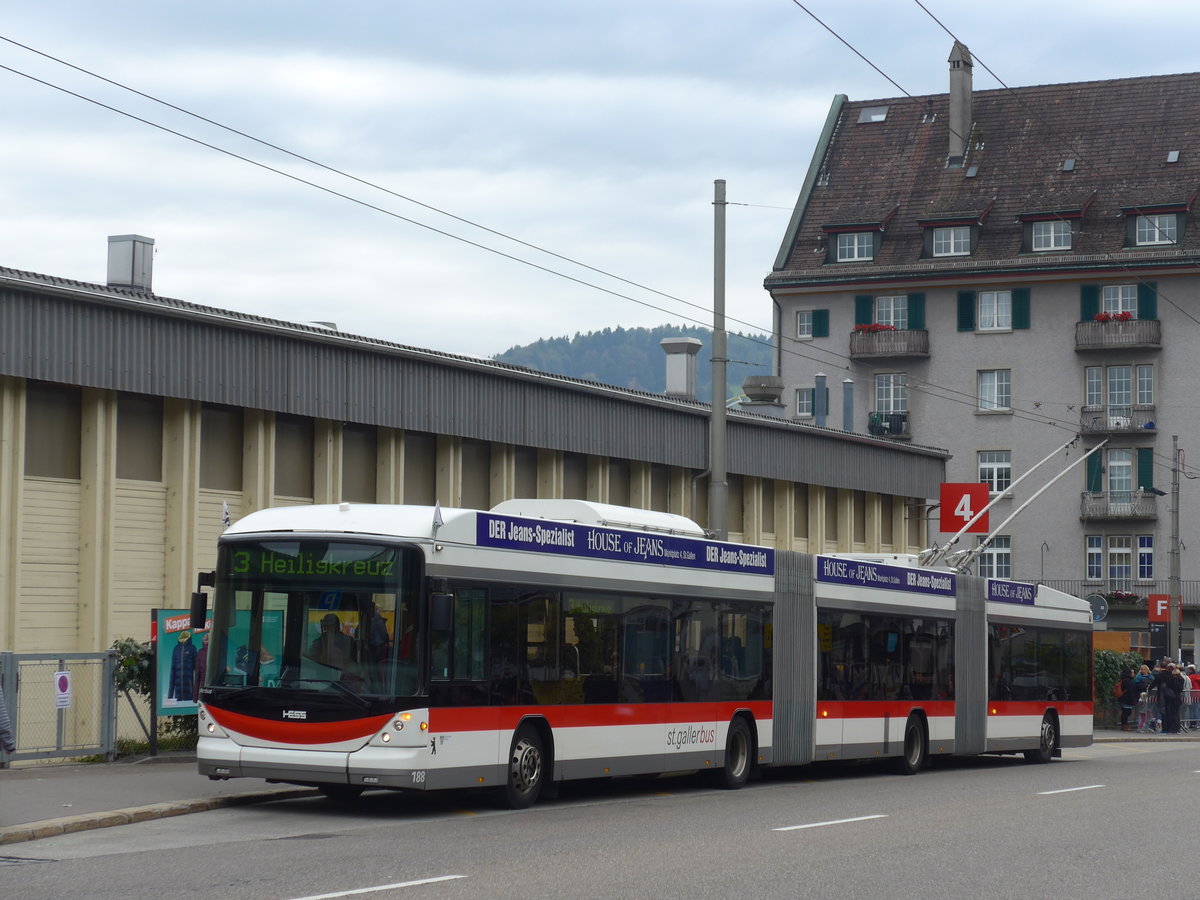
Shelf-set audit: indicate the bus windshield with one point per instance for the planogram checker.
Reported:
(316, 615)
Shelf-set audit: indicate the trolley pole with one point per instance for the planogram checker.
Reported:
(718, 486)
(1174, 586)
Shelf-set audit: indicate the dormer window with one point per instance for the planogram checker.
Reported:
(952, 241)
(1156, 229)
(856, 246)
(1157, 224)
(1052, 235)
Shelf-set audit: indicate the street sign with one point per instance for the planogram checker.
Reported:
(960, 503)
(1160, 608)
(62, 690)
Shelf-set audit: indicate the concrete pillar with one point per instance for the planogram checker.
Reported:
(181, 446)
(550, 475)
(448, 478)
(597, 479)
(258, 460)
(97, 482)
(389, 465)
(327, 461)
(12, 455)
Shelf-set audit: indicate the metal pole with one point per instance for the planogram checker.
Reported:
(718, 486)
(1174, 586)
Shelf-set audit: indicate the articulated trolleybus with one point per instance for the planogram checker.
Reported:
(360, 646)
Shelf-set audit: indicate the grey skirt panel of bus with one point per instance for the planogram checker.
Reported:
(970, 678)
(795, 641)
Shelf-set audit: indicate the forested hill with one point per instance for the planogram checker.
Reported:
(632, 357)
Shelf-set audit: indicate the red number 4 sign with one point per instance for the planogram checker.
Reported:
(960, 503)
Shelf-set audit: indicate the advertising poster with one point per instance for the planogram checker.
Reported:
(179, 654)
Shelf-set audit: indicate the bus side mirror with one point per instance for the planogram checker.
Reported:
(441, 611)
(199, 611)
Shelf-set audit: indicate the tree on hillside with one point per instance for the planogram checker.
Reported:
(632, 358)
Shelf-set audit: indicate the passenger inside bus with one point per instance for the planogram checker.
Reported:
(333, 647)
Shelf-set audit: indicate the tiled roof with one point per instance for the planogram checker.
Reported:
(1118, 133)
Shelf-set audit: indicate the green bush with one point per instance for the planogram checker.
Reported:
(134, 661)
(1108, 667)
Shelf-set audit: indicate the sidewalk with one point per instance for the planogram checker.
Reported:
(43, 801)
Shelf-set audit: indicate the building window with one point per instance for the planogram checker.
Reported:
(1159, 229)
(1052, 235)
(952, 241)
(995, 389)
(804, 324)
(1120, 474)
(804, 402)
(995, 310)
(1145, 557)
(891, 393)
(995, 469)
(1119, 298)
(1118, 564)
(892, 311)
(1118, 388)
(1120, 557)
(996, 560)
(1094, 562)
(855, 246)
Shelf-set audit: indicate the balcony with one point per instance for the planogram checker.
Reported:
(888, 424)
(891, 343)
(1112, 419)
(1118, 505)
(1136, 334)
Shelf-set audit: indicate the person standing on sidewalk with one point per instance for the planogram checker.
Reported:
(8, 738)
(1128, 698)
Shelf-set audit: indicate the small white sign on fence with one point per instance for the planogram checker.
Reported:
(62, 690)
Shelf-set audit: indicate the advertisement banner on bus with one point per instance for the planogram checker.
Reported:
(590, 541)
(1011, 591)
(835, 570)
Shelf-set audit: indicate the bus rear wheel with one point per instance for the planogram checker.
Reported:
(1047, 740)
(738, 755)
(916, 748)
(526, 769)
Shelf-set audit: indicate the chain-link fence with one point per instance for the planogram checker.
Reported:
(61, 704)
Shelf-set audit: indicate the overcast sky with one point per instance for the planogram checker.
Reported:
(592, 130)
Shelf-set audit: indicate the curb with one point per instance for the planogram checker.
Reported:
(34, 831)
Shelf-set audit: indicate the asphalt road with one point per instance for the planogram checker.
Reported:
(1114, 820)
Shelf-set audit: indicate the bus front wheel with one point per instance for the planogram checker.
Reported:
(526, 769)
(738, 755)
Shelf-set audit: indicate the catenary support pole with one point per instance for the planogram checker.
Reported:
(718, 486)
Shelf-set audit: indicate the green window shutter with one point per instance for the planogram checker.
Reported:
(1020, 308)
(864, 309)
(966, 310)
(916, 312)
(820, 323)
(1089, 302)
(1145, 467)
(1147, 295)
(1095, 473)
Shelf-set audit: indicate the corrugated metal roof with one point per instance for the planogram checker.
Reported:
(71, 332)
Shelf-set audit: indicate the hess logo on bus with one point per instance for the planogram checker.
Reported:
(295, 714)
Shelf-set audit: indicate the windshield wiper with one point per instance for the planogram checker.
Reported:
(365, 704)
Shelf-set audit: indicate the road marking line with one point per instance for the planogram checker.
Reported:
(1068, 790)
(381, 887)
(834, 822)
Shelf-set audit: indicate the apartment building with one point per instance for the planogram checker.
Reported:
(996, 271)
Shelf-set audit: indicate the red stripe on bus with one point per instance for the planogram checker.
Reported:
(506, 718)
(878, 709)
(292, 732)
(1037, 707)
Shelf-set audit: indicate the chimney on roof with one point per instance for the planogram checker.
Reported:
(961, 67)
(681, 366)
(130, 261)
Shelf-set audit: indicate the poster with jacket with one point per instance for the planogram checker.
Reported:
(179, 656)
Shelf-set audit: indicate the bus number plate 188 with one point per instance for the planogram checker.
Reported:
(418, 777)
